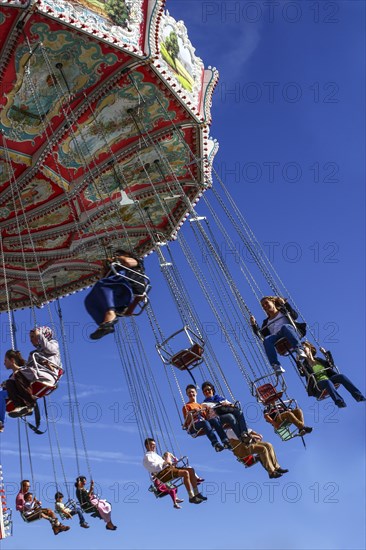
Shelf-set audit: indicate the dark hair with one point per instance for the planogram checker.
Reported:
(58, 495)
(29, 494)
(19, 359)
(208, 384)
(23, 480)
(78, 479)
(148, 440)
(130, 254)
(190, 387)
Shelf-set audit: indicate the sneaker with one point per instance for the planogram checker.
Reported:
(300, 353)
(360, 398)
(218, 447)
(281, 470)
(18, 411)
(195, 500)
(29, 411)
(227, 445)
(341, 404)
(201, 497)
(1, 426)
(85, 525)
(277, 368)
(199, 480)
(245, 438)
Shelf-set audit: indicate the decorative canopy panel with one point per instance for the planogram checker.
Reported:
(104, 141)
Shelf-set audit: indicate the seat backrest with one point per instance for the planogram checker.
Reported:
(187, 357)
(268, 394)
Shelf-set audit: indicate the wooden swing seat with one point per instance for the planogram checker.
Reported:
(267, 394)
(189, 357)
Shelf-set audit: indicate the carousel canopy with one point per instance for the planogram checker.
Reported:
(104, 140)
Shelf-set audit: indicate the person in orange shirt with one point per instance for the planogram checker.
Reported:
(195, 421)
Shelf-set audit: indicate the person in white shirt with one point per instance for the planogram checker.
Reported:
(165, 471)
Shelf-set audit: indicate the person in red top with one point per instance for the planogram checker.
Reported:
(195, 420)
(57, 527)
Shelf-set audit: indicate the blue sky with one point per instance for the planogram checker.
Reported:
(288, 113)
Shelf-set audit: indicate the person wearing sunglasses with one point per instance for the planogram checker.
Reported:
(227, 412)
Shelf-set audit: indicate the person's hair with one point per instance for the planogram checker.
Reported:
(122, 252)
(274, 299)
(78, 479)
(208, 384)
(19, 359)
(58, 495)
(190, 387)
(27, 495)
(148, 440)
(310, 345)
(23, 480)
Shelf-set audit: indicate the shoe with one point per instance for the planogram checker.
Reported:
(218, 447)
(111, 528)
(56, 529)
(227, 445)
(199, 480)
(179, 500)
(176, 505)
(245, 438)
(275, 474)
(63, 527)
(281, 471)
(341, 404)
(104, 329)
(201, 497)
(307, 429)
(277, 368)
(360, 398)
(300, 353)
(85, 525)
(29, 411)
(18, 411)
(1, 426)
(195, 500)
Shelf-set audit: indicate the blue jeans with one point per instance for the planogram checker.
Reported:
(77, 511)
(108, 293)
(3, 396)
(236, 421)
(339, 379)
(286, 331)
(207, 426)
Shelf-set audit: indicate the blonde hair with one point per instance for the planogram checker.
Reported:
(310, 345)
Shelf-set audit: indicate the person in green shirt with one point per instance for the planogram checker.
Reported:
(322, 375)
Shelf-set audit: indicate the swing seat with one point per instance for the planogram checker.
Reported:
(285, 432)
(34, 516)
(267, 394)
(283, 347)
(190, 357)
(156, 492)
(249, 460)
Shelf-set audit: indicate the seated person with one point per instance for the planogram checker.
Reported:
(44, 513)
(68, 512)
(277, 413)
(44, 368)
(113, 293)
(195, 420)
(280, 323)
(164, 470)
(256, 446)
(228, 413)
(90, 503)
(325, 376)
